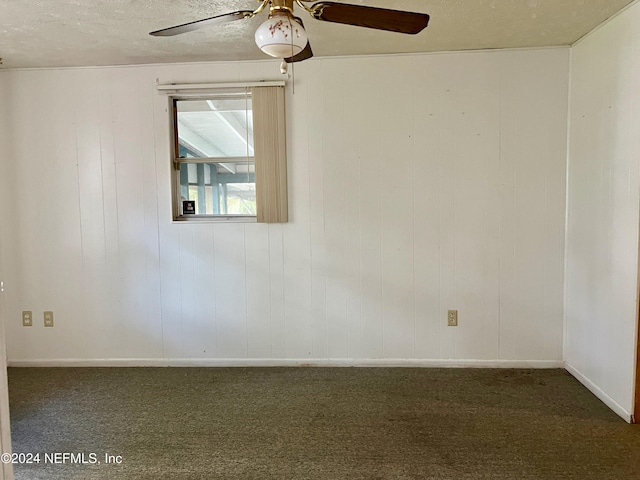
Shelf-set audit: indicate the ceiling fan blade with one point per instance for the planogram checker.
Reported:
(303, 55)
(370, 17)
(189, 27)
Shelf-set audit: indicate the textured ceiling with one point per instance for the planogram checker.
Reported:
(46, 33)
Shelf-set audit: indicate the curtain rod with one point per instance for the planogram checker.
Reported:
(203, 86)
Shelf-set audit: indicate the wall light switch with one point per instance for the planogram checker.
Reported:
(48, 319)
(27, 319)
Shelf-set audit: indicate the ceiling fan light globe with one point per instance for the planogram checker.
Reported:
(281, 36)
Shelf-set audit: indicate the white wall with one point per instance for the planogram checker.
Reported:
(602, 227)
(418, 184)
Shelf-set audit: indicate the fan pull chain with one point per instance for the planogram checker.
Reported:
(293, 78)
(293, 64)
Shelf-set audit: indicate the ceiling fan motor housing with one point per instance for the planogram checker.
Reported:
(281, 5)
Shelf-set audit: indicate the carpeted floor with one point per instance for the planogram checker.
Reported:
(316, 423)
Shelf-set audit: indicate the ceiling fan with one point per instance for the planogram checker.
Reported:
(283, 36)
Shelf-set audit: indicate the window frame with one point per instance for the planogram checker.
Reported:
(269, 146)
(176, 160)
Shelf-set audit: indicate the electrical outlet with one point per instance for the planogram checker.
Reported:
(48, 319)
(452, 318)
(27, 319)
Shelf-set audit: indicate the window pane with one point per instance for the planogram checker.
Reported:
(241, 198)
(218, 188)
(215, 127)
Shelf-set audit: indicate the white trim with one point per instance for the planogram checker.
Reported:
(6, 469)
(567, 193)
(172, 87)
(598, 392)
(283, 362)
(5, 68)
(443, 52)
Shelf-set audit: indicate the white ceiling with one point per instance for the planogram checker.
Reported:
(47, 33)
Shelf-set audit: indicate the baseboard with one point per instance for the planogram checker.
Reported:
(598, 392)
(282, 362)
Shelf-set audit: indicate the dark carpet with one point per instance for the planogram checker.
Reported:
(315, 423)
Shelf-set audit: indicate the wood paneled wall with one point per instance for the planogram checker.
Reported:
(603, 210)
(417, 184)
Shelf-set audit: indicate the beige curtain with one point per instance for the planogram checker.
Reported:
(270, 154)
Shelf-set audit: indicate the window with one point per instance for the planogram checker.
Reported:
(229, 154)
